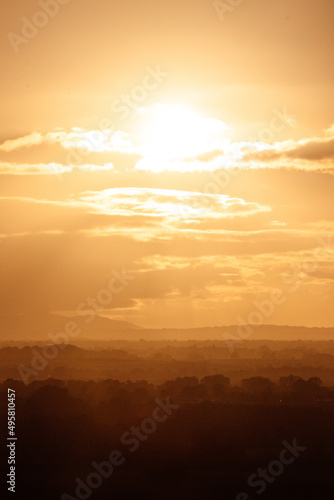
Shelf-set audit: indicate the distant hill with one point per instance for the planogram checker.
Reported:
(263, 332)
(30, 327)
(37, 327)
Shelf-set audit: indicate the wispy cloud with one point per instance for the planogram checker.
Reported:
(137, 212)
(85, 148)
(50, 168)
(22, 142)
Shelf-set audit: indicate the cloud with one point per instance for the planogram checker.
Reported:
(212, 276)
(22, 142)
(136, 212)
(313, 150)
(181, 217)
(306, 154)
(170, 204)
(78, 138)
(61, 151)
(93, 140)
(56, 169)
(311, 154)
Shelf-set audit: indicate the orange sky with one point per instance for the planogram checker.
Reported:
(187, 141)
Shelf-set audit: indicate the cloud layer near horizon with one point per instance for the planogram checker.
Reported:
(204, 258)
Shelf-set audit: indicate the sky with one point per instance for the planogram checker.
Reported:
(188, 144)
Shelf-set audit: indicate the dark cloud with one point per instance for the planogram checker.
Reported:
(313, 151)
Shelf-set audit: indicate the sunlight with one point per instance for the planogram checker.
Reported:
(172, 132)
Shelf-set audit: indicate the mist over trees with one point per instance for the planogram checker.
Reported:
(221, 428)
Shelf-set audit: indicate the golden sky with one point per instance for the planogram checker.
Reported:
(190, 142)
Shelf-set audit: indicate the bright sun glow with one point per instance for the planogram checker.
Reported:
(173, 132)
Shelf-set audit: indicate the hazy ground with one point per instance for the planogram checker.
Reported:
(190, 419)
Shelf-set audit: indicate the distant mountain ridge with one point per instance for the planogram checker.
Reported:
(38, 327)
(32, 327)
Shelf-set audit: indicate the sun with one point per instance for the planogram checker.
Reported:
(174, 132)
